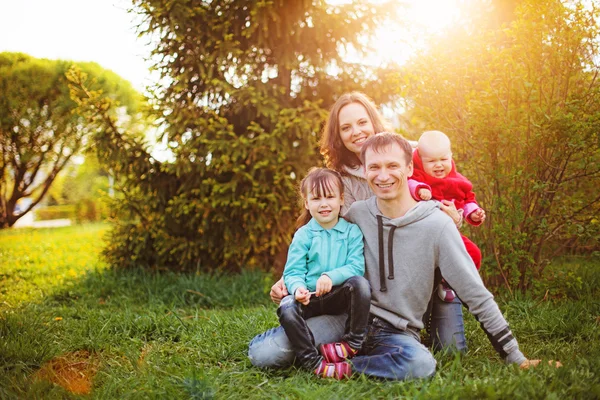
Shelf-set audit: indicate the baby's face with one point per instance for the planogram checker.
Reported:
(437, 161)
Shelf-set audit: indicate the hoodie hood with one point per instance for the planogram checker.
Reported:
(420, 211)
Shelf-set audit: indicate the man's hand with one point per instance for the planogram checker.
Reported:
(278, 291)
(302, 295)
(478, 215)
(534, 363)
(424, 194)
(324, 285)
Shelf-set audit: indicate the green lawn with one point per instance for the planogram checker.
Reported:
(149, 335)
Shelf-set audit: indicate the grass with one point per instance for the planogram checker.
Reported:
(136, 334)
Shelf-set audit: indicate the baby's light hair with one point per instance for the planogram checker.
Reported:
(317, 181)
(434, 139)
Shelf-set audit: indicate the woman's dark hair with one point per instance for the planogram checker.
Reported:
(317, 180)
(336, 155)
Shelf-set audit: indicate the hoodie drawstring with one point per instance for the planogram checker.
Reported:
(383, 287)
(391, 252)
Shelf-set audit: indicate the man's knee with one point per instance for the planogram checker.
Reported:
(422, 367)
(421, 363)
(271, 349)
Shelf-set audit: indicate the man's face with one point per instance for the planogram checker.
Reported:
(387, 172)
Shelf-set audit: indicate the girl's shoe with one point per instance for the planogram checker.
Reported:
(337, 352)
(337, 371)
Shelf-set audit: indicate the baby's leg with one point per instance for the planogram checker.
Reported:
(473, 251)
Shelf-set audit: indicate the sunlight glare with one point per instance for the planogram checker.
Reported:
(421, 20)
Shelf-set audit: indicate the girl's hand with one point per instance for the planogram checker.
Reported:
(449, 208)
(278, 291)
(302, 295)
(425, 194)
(324, 285)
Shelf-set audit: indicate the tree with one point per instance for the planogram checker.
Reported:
(522, 106)
(39, 132)
(241, 105)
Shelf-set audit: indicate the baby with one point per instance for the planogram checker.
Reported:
(434, 166)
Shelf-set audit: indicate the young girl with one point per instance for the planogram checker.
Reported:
(326, 260)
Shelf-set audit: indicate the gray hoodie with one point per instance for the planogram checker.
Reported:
(401, 257)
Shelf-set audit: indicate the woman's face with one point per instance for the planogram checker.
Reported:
(355, 126)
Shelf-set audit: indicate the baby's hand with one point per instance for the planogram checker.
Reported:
(324, 285)
(478, 215)
(302, 295)
(424, 194)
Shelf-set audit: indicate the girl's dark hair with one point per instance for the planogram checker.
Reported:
(336, 155)
(317, 180)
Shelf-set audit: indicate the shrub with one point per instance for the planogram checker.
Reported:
(522, 107)
(55, 212)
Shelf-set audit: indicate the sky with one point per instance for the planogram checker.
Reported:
(79, 30)
(103, 31)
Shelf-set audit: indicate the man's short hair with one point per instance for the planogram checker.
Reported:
(382, 140)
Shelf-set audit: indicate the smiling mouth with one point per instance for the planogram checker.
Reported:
(325, 212)
(384, 185)
(360, 140)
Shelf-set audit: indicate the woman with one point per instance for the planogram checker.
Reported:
(353, 118)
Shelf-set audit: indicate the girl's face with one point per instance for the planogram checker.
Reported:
(324, 204)
(355, 126)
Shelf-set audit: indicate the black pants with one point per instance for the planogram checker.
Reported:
(352, 297)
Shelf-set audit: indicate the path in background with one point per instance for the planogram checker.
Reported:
(27, 222)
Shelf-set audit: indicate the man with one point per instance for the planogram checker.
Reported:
(406, 242)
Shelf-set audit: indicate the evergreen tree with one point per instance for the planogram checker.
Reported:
(244, 91)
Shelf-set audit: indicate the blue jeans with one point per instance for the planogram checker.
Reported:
(387, 352)
(272, 349)
(390, 353)
(447, 329)
(353, 297)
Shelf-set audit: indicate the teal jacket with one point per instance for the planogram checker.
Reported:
(336, 252)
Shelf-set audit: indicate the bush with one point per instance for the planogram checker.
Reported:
(522, 107)
(90, 210)
(56, 212)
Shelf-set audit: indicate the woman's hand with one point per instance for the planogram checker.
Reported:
(449, 208)
(278, 291)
